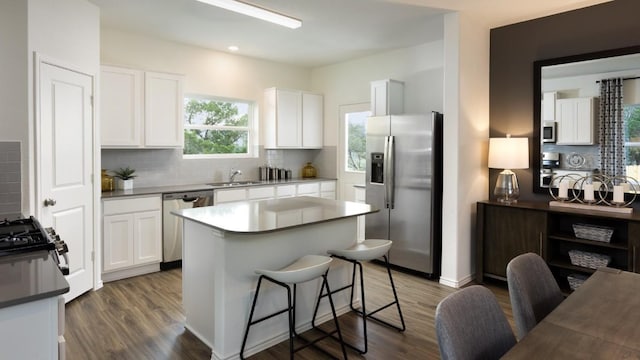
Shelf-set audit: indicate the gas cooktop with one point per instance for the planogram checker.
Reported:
(23, 235)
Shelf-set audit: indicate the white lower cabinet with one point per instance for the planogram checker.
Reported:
(285, 191)
(229, 195)
(321, 188)
(308, 189)
(261, 192)
(328, 189)
(31, 330)
(132, 236)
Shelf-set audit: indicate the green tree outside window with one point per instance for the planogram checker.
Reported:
(216, 127)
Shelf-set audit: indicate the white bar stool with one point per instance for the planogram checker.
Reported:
(367, 250)
(304, 269)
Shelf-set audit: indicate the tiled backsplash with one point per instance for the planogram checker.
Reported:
(10, 178)
(158, 167)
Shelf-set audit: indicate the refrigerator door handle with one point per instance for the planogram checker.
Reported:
(389, 168)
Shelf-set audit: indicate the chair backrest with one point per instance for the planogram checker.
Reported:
(533, 291)
(471, 325)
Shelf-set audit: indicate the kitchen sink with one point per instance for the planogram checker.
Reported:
(235, 183)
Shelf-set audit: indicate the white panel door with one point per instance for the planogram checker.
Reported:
(64, 159)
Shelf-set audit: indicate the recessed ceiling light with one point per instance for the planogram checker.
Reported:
(233, 48)
(256, 12)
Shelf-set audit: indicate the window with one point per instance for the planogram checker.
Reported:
(356, 140)
(215, 127)
(631, 114)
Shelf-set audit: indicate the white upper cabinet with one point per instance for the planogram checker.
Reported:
(293, 119)
(140, 109)
(121, 92)
(549, 106)
(163, 110)
(387, 97)
(575, 119)
(312, 120)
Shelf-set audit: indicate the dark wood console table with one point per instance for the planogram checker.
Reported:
(506, 231)
(597, 321)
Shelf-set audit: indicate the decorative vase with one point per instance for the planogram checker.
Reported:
(308, 171)
(107, 181)
(124, 184)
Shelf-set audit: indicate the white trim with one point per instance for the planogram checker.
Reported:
(456, 283)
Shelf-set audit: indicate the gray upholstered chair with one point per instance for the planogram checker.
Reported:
(533, 291)
(471, 325)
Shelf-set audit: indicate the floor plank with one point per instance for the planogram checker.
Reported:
(141, 318)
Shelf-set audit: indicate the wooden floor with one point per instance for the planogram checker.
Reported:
(141, 318)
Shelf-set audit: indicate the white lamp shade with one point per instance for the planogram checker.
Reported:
(509, 153)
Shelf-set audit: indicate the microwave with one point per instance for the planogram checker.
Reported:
(548, 131)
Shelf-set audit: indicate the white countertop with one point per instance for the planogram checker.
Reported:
(271, 215)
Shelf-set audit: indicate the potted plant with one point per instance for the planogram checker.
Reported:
(124, 178)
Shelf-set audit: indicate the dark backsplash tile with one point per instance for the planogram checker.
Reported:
(10, 178)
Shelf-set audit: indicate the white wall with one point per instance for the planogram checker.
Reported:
(65, 30)
(419, 67)
(13, 77)
(466, 130)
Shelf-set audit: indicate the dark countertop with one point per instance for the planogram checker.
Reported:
(261, 216)
(195, 187)
(28, 277)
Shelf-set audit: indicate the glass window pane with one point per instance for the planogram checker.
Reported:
(356, 137)
(207, 122)
(215, 141)
(631, 115)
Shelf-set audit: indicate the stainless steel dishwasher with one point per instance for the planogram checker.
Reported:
(172, 225)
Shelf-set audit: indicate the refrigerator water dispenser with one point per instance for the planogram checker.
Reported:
(377, 168)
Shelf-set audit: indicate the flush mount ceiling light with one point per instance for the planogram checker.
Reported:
(256, 12)
(233, 48)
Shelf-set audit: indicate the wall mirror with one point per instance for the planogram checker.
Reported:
(567, 126)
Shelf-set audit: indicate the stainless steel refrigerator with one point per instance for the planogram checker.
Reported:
(404, 180)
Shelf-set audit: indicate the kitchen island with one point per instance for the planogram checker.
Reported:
(224, 244)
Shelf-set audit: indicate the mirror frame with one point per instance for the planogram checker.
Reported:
(537, 99)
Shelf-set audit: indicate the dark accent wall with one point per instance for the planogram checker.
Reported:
(515, 47)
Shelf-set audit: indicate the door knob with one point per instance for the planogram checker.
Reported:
(49, 202)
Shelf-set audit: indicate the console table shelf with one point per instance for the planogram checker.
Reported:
(506, 231)
(573, 239)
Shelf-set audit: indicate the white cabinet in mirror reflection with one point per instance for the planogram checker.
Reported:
(576, 121)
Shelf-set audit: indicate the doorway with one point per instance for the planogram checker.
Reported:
(352, 148)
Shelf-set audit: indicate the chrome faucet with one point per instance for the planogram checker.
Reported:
(233, 173)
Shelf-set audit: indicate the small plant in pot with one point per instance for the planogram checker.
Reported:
(124, 178)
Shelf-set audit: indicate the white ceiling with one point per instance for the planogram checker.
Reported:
(332, 30)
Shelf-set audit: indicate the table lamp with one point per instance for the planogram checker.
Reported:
(508, 153)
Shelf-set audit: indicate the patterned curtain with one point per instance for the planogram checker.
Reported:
(612, 151)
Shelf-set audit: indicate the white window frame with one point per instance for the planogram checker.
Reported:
(346, 141)
(252, 129)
